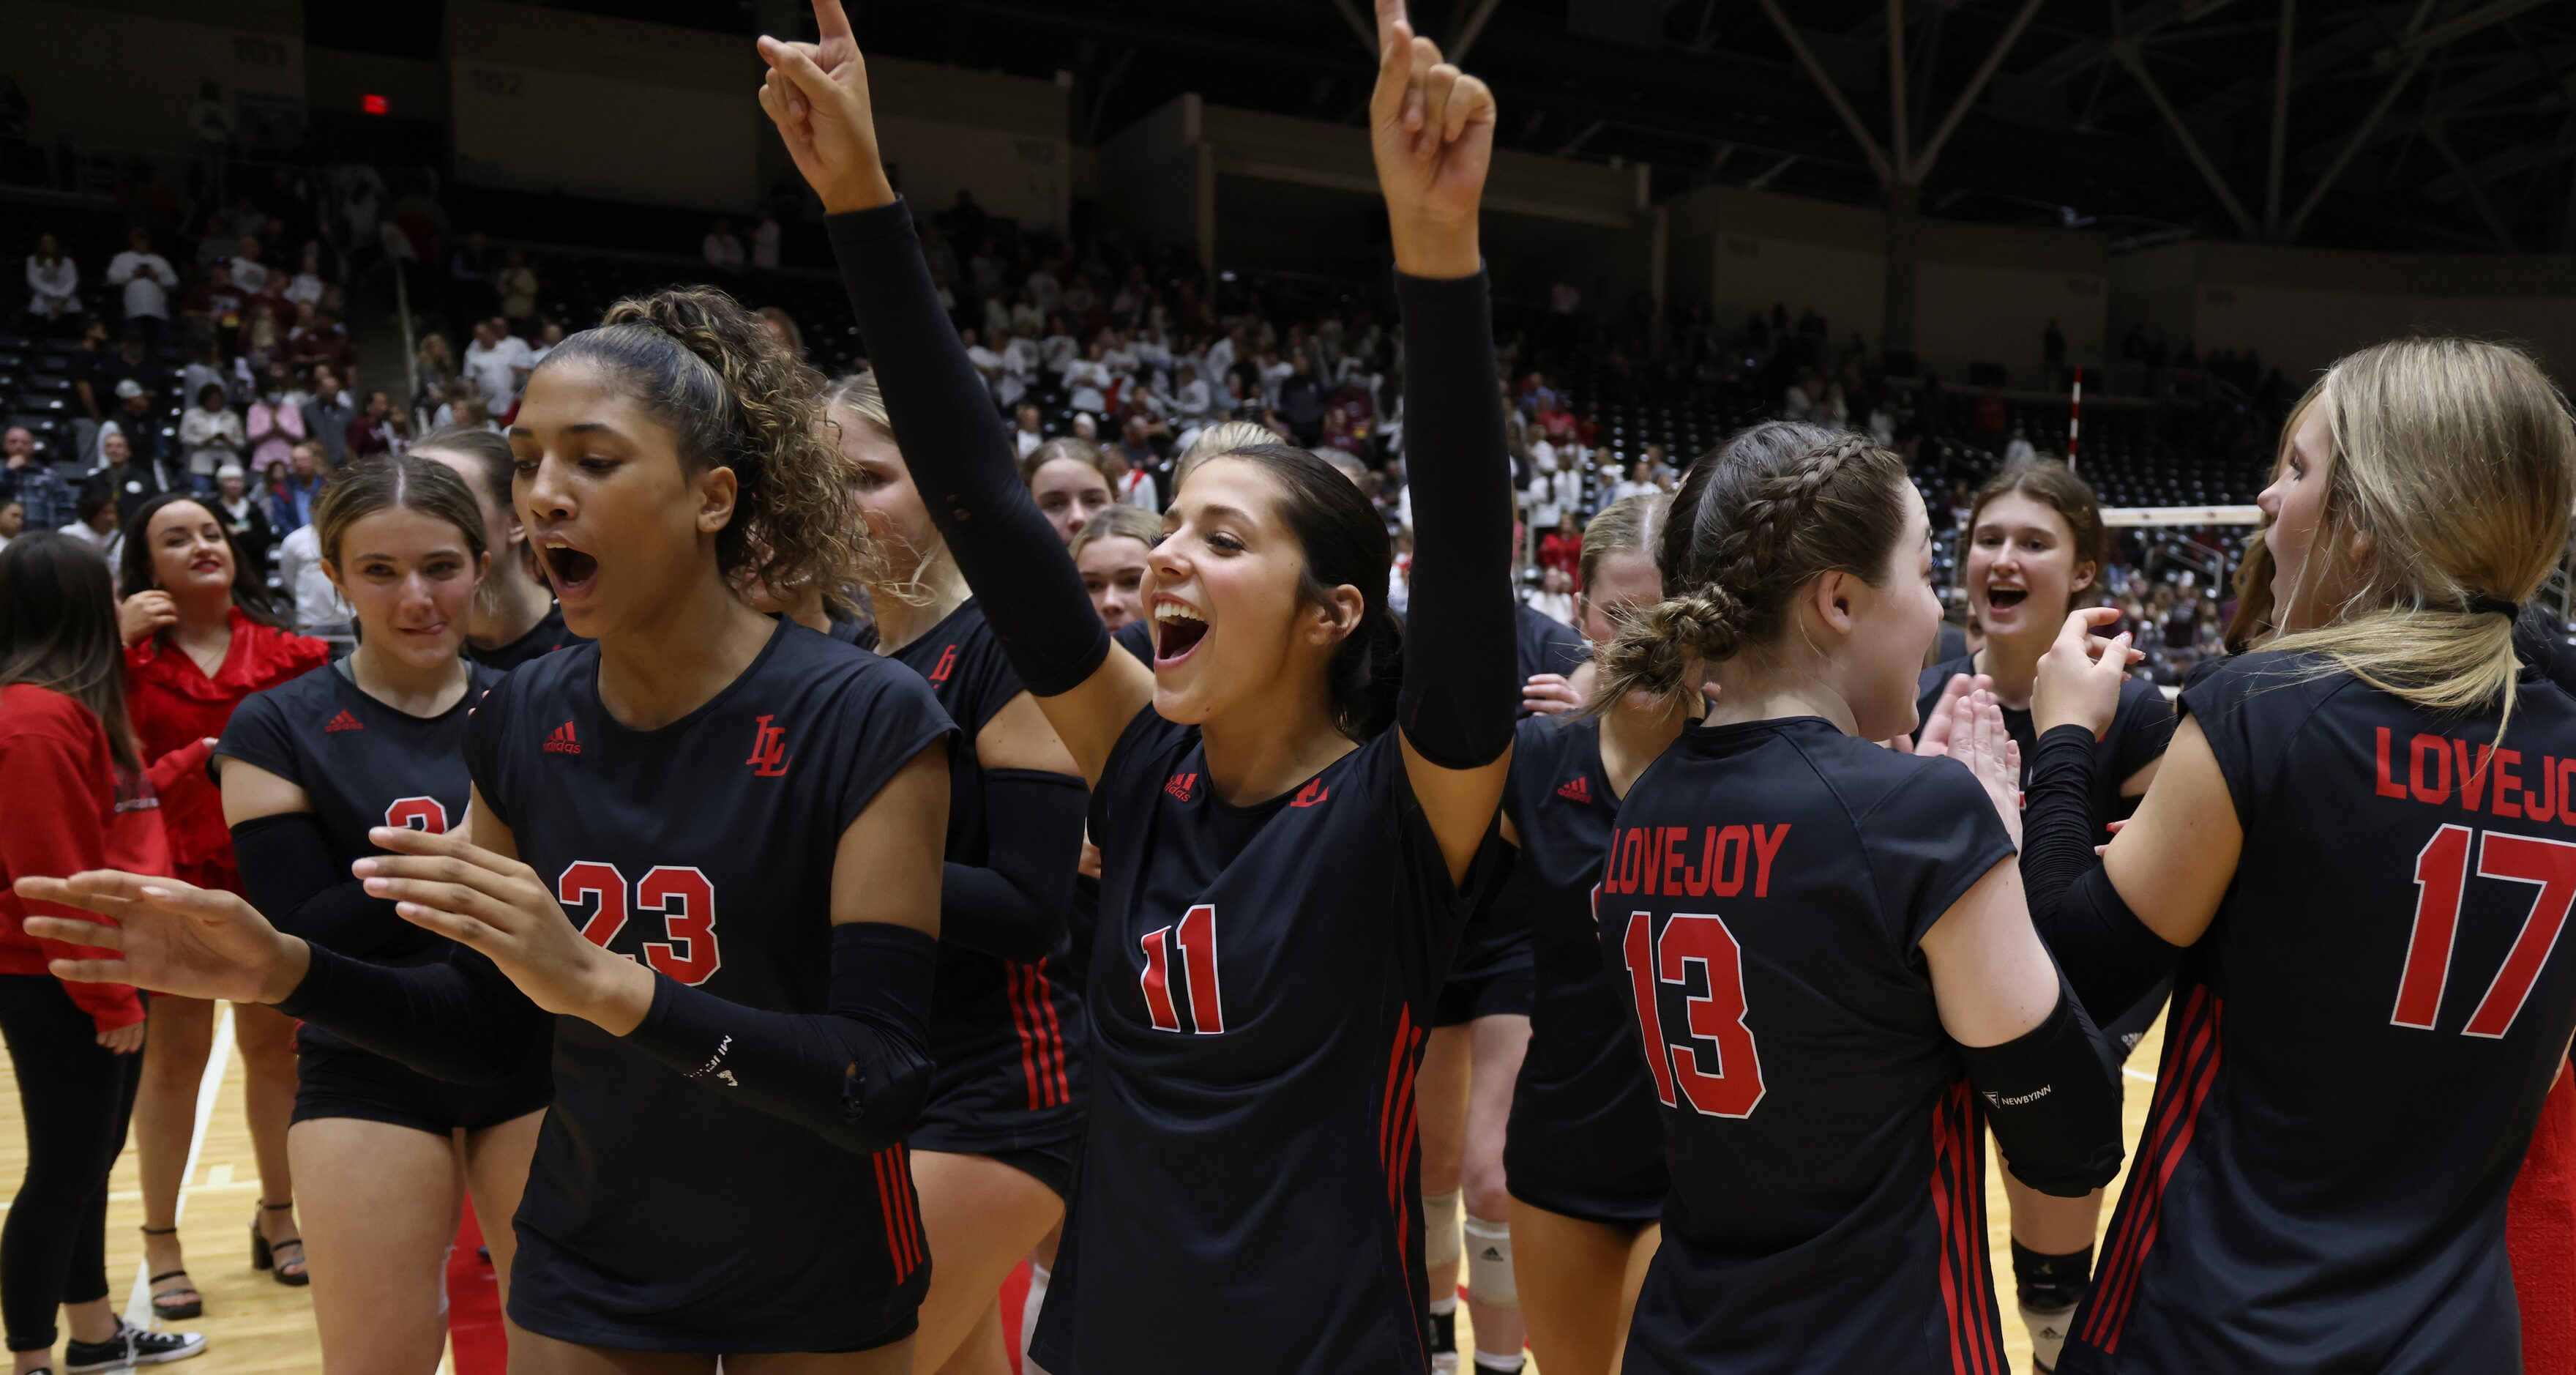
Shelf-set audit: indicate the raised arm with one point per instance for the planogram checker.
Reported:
(1431, 130)
(952, 439)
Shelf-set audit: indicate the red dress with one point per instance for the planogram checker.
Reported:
(173, 705)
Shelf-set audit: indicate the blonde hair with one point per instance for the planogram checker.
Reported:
(1770, 510)
(2451, 478)
(1223, 437)
(1628, 525)
(859, 394)
(1121, 522)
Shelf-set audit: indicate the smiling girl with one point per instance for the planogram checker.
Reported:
(1284, 832)
(309, 768)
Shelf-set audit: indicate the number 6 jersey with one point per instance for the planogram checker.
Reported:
(660, 1215)
(2359, 1044)
(1260, 982)
(1764, 901)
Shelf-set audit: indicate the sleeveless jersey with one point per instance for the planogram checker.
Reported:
(661, 1215)
(1583, 1139)
(2360, 1044)
(2140, 730)
(363, 764)
(1006, 1036)
(1260, 989)
(1763, 898)
(545, 637)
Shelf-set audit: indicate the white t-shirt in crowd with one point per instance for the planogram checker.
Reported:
(110, 545)
(147, 279)
(299, 563)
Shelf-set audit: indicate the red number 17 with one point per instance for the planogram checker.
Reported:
(2441, 880)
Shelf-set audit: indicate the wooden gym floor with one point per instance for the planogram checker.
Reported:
(254, 1324)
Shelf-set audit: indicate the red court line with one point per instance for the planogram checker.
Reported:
(474, 1329)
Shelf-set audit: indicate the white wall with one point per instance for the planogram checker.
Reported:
(121, 74)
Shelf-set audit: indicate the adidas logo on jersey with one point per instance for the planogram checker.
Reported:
(1313, 793)
(1181, 786)
(1577, 790)
(343, 721)
(562, 741)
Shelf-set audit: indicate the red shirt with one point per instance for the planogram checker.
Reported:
(174, 705)
(1562, 552)
(69, 810)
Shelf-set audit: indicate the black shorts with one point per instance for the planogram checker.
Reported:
(2121, 1034)
(1463, 1000)
(336, 1079)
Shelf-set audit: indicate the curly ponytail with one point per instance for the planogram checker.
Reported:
(736, 398)
(1755, 520)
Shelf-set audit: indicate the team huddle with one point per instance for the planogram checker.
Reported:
(793, 977)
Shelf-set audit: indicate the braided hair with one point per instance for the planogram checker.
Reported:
(1756, 519)
(734, 397)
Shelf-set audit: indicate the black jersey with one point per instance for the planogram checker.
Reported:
(2140, 730)
(1260, 990)
(661, 1215)
(1137, 638)
(1544, 644)
(1006, 1037)
(1583, 1139)
(1763, 898)
(545, 637)
(2360, 1043)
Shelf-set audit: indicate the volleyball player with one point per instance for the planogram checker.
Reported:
(515, 615)
(1583, 1152)
(1833, 976)
(993, 1157)
(2033, 550)
(743, 819)
(1282, 871)
(1070, 480)
(2358, 846)
(309, 767)
(1112, 554)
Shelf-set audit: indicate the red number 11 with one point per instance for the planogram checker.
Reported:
(1197, 938)
(2441, 880)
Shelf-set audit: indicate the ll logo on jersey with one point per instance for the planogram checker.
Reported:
(768, 749)
(947, 661)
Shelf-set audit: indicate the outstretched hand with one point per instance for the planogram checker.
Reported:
(501, 909)
(817, 95)
(170, 937)
(1431, 128)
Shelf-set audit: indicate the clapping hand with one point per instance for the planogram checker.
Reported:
(1979, 739)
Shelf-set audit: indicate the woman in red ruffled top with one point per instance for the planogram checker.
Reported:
(198, 641)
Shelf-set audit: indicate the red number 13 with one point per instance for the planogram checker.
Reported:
(1714, 1019)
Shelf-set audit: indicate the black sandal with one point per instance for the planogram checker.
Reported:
(263, 1252)
(166, 1303)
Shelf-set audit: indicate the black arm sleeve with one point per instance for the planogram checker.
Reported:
(1017, 903)
(2052, 1100)
(2110, 957)
(462, 1021)
(856, 1075)
(287, 868)
(1460, 691)
(960, 457)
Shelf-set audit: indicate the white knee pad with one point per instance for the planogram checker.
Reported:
(1440, 1228)
(1489, 1263)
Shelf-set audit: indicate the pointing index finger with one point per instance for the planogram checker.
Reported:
(832, 21)
(1389, 14)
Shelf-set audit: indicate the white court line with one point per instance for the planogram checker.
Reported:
(219, 1056)
(2138, 1074)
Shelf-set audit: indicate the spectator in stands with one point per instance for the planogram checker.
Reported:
(433, 367)
(764, 243)
(33, 482)
(94, 524)
(148, 280)
(316, 341)
(121, 479)
(1554, 596)
(549, 334)
(320, 610)
(212, 309)
(723, 248)
(496, 363)
(1131, 482)
(327, 418)
(306, 286)
(1026, 435)
(517, 286)
(211, 436)
(249, 273)
(1136, 446)
(1301, 400)
(242, 514)
(291, 499)
(53, 288)
(1087, 380)
(13, 519)
(987, 364)
(370, 431)
(141, 429)
(1562, 548)
(273, 426)
(1639, 482)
